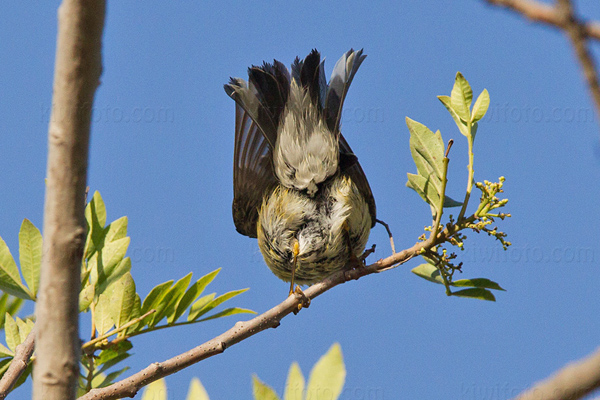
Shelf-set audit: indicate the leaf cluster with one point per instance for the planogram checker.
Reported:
(107, 293)
(427, 149)
(325, 382)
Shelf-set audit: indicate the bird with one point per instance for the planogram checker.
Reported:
(297, 186)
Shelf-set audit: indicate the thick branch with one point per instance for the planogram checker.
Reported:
(242, 330)
(76, 77)
(539, 12)
(18, 364)
(573, 382)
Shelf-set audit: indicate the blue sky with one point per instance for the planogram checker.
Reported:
(161, 153)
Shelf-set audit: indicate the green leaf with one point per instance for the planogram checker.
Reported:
(262, 391)
(104, 262)
(107, 357)
(199, 306)
(481, 106)
(4, 352)
(157, 390)
(478, 283)
(424, 187)
(476, 293)
(10, 280)
(121, 269)
(196, 391)
(86, 296)
(4, 364)
(116, 230)
(294, 387)
(11, 330)
(193, 292)
(217, 301)
(14, 305)
(450, 202)
(427, 149)
(24, 328)
(328, 375)
(97, 208)
(462, 127)
(95, 215)
(111, 377)
(112, 362)
(432, 274)
(136, 312)
(229, 311)
(461, 97)
(123, 299)
(30, 254)
(104, 311)
(429, 272)
(154, 301)
(172, 297)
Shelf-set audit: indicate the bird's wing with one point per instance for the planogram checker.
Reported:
(350, 167)
(253, 174)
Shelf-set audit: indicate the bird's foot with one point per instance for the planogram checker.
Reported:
(304, 300)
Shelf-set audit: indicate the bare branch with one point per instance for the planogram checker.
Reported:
(18, 364)
(575, 31)
(76, 77)
(563, 16)
(573, 382)
(539, 12)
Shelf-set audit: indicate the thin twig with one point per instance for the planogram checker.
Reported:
(387, 228)
(134, 321)
(572, 382)
(537, 11)
(18, 364)
(128, 387)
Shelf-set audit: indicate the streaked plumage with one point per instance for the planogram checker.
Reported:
(295, 176)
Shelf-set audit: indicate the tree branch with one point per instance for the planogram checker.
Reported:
(128, 387)
(575, 31)
(539, 12)
(563, 16)
(77, 74)
(18, 365)
(573, 382)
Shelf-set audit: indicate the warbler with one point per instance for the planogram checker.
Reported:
(297, 186)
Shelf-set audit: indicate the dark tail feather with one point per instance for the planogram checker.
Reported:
(310, 74)
(263, 97)
(342, 76)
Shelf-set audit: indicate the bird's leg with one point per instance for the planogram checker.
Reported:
(295, 252)
(305, 300)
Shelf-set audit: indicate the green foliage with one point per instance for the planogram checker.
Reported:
(427, 149)
(108, 293)
(157, 390)
(325, 383)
